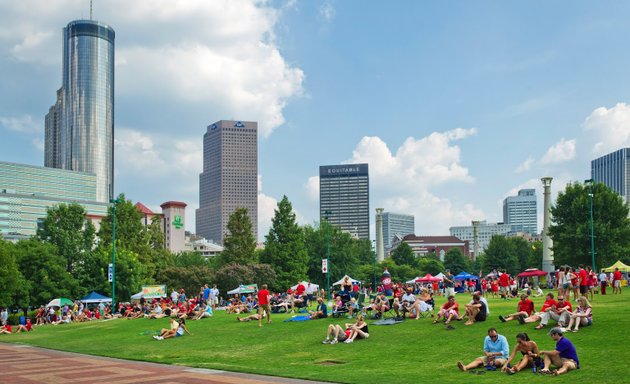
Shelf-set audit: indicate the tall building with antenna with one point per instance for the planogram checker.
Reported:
(79, 127)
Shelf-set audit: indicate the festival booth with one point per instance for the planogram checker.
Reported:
(353, 281)
(305, 284)
(96, 298)
(428, 279)
(60, 302)
(150, 292)
(465, 275)
(345, 295)
(532, 273)
(440, 276)
(622, 267)
(244, 288)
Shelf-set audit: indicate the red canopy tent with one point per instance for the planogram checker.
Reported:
(532, 272)
(428, 279)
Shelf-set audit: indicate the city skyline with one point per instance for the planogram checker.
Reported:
(454, 108)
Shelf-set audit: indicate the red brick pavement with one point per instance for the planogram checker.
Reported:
(25, 365)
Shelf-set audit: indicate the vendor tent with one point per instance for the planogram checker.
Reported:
(351, 280)
(60, 302)
(531, 272)
(465, 275)
(249, 288)
(414, 280)
(622, 267)
(96, 297)
(440, 276)
(305, 284)
(428, 279)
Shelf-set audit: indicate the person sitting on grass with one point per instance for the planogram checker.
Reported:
(156, 313)
(477, 311)
(406, 302)
(5, 329)
(560, 313)
(583, 314)
(495, 349)
(549, 304)
(24, 328)
(321, 311)
(564, 357)
(449, 311)
(204, 311)
(524, 309)
(358, 330)
(527, 348)
(177, 332)
(253, 317)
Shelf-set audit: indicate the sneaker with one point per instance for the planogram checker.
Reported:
(334, 341)
(348, 341)
(502, 318)
(327, 341)
(156, 337)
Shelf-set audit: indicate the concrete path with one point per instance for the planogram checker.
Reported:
(25, 365)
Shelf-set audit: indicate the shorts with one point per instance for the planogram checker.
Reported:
(566, 286)
(617, 283)
(499, 362)
(570, 363)
(583, 289)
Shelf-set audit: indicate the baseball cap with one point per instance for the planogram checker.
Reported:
(555, 331)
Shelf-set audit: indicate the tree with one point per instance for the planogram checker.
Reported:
(522, 250)
(535, 257)
(498, 255)
(455, 261)
(571, 232)
(239, 243)
(285, 249)
(403, 255)
(13, 287)
(130, 233)
(67, 227)
(430, 265)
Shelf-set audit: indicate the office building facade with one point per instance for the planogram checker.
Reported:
(396, 225)
(229, 179)
(485, 231)
(613, 170)
(79, 127)
(344, 197)
(521, 211)
(27, 191)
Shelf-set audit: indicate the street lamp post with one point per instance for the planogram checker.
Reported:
(326, 215)
(114, 202)
(590, 196)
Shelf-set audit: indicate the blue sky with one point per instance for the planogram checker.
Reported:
(454, 105)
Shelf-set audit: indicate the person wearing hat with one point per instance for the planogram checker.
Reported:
(564, 357)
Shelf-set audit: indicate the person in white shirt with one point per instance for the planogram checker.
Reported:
(482, 299)
(407, 301)
(603, 281)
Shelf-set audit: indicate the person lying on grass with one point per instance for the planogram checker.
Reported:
(255, 316)
(524, 309)
(495, 353)
(529, 351)
(170, 333)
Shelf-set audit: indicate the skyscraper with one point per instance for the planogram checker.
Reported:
(344, 197)
(229, 179)
(521, 211)
(613, 170)
(80, 125)
(397, 224)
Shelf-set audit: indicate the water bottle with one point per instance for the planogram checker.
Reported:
(534, 368)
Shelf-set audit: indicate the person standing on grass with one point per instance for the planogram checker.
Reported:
(603, 281)
(263, 305)
(564, 357)
(449, 284)
(616, 281)
(495, 349)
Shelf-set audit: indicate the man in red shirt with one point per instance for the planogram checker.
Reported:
(583, 280)
(449, 311)
(617, 281)
(504, 285)
(299, 290)
(263, 305)
(524, 308)
(559, 312)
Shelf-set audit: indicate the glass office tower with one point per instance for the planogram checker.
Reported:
(521, 211)
(82, 138)
(613, 170)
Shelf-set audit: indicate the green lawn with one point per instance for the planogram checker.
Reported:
(410, 352)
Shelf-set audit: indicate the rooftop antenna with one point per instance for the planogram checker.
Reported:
(90, 9)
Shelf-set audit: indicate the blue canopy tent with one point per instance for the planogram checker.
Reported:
(465, 275)
(95, 297)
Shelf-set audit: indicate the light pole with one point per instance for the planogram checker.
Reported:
(374, 268)
(114, 202)
(590, 197)
(326, 215)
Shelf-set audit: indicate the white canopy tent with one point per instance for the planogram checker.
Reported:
(353, 281)
(314, 287)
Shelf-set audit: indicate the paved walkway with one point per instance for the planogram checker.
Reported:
(25, 365)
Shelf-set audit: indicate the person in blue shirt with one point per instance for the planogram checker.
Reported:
(495, 352)
(321, 312)
(564, 357)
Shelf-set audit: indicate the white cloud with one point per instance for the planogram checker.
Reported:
(560, 152)
(23, 124)
(401, 182)
(266, 207)
(220, 54)
(525, 166)
(327, 12)
(610, 128)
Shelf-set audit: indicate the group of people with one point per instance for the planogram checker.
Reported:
(496, 354)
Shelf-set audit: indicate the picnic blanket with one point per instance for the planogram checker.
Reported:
(387, 322)
(298, 318)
